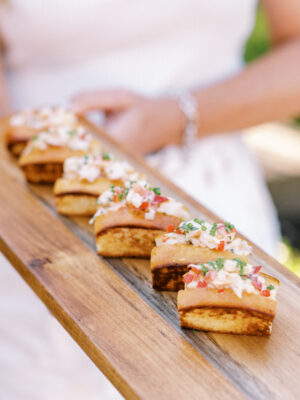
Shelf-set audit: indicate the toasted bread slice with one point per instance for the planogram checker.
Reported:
(126, 233)
(126, 242)
(17, 148)
(17, 138)
(78, 197)
(169, 263)
(76, 204)
(208, 310)
(45, 166)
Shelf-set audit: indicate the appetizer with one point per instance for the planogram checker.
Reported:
(228, 296)
(23, 126)
(85, 178)
(192, 242)
(43, 157)
(130, 218)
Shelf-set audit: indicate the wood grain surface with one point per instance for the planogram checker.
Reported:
(128, 329)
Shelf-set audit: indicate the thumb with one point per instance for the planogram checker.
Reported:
(108, 101)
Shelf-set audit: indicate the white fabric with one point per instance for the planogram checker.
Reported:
(58, 47)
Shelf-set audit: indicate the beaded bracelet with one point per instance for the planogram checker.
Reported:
(188, 105)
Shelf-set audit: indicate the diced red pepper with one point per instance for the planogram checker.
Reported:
(144, 205)
(266, 293)
(188, 278)
(221, 290)
(256, 283)
(201, 284)
(115, 198)
(159, 199)
(256, 269)
(170, 228)
(179, 231)
(221, 246)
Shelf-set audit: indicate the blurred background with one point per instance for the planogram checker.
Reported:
(29, 336)
(277, 146)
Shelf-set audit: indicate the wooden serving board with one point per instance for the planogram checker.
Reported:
(130, 331)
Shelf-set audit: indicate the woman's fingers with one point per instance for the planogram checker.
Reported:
(103, 100)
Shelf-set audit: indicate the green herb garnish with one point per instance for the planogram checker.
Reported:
(198, 221)
(156, 190)
(203, 228)
(72, 132)
(220, 263)
(228, 226)
(212, 264)
(241, 264)
(270, 287)
(106, 156)
(204, 269)
(112, 188)
(213, 230)
(187, 227)
(122, 195)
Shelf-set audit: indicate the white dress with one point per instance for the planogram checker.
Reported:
(59, 47)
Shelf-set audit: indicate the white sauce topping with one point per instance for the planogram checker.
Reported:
(43, 118)
(213, 236)
(228, 274)
(76, 138)
(138, 195)
(90, 168)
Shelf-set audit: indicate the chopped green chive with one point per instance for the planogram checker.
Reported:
(105, 156)
(241, 264)
(212, 264)
(72, 132)
(213, 230)
(198, 221)
(270, 287)
(186, 227)
(156, 190)
(228, 226)
(204, 269)
(203, 228)
(220, 263)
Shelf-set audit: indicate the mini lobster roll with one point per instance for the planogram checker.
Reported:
(228, 296)
(193, 241)
(23, 126)
(85, 178)
(130, 218)
(43, 158)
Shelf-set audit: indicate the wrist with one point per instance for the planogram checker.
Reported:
(187, 103)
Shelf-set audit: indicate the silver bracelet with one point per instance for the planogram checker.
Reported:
(188, 105)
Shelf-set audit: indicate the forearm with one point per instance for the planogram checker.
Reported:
(268, 89)
(5, 105)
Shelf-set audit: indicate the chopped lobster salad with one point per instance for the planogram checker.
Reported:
(90, 168)
(76, 138)
(139, 195)
(43, 118)
(215, 236)
(229, 274)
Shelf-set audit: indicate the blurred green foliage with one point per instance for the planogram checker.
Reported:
(259, 42)
(290, 257)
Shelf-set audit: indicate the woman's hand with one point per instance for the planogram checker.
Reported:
(142, 123)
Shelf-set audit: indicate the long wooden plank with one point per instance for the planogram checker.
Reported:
(122, 334)
(258, 367)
